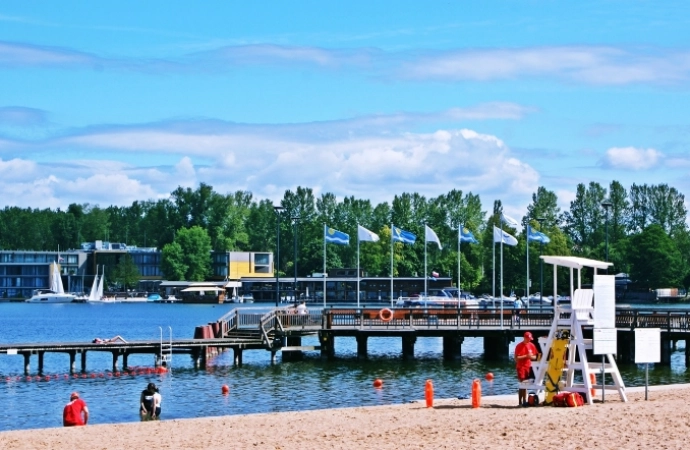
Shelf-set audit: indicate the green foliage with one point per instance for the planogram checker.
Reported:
(655, 259)
(189, 256)
(191, 222)
(125, 273)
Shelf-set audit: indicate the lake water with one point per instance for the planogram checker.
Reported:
(258, 386)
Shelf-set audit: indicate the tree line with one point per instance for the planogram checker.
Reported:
(642, 230)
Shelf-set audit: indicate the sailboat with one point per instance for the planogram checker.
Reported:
(56, 293)
(96, 294)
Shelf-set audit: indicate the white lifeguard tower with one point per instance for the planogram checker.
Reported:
(589, 309)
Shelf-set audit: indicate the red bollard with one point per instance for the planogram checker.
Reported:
(429, 394)
(476, 393)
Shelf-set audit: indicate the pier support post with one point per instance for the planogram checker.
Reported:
(452, 347)
(362, 347)
(237, 356)
(203, 358)
(40, 362)
(496, 347)
(27, 363)
(327, 341)
(687, 354)
(408, 342)
(115, 361)
(72, 359)
(293, 355)
(125, 363)
(83, 361)
(665, 351)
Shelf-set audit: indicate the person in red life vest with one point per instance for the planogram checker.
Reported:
(525, 353)
(75, 413)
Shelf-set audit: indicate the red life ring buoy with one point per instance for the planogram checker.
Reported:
(386, 315)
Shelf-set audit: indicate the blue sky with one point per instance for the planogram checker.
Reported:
(128, 100)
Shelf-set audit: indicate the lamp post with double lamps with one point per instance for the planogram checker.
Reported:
(541, 266)
(295, 219)
(606, 204)
(276, 263)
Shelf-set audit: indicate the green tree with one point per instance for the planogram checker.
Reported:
(125, 273)
(655, 259)
(189, 256)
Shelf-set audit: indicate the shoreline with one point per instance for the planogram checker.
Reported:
(451, 423)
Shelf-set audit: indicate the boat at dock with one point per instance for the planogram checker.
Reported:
(56, 293)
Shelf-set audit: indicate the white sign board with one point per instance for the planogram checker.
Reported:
(11, 351)
(647, 345)
(605, 341)
(604, 301)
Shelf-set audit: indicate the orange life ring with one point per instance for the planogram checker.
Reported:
(386, 315)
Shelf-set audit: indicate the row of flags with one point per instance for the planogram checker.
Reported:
(334, 236)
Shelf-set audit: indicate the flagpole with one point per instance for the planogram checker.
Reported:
(501, 290)
(357, 265)
(392, 265)
(527, 291)
(324, 265)
(493, 275)
(426, 278)
(459, 258)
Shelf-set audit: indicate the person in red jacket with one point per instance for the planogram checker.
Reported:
(75, 413)
(525, 353)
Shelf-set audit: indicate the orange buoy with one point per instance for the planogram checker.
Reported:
(386, 315)
(593, 381)
(476, 393)
(378, 383)
(489, 376)
(225, 389)
(429, 394)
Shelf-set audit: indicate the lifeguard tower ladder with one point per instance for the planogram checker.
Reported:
(564, 349)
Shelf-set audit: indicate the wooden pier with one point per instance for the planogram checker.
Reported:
(282, 330)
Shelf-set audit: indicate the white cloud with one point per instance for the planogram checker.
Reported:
(632, 158)
(268, 160)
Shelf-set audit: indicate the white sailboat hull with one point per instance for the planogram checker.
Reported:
(51, 297)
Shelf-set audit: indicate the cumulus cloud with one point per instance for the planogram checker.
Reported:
(632, 158)
(125, 163)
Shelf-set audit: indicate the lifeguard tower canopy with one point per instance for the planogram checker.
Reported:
(564, 363)
(575, 262)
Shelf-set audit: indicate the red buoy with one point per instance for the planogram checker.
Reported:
(489, 376)
(225, 389)
(476, 393)
(429, 394)
(378, 383)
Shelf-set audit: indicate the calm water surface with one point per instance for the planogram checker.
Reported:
(258, 386)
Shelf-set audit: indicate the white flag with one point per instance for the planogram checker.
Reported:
(431, 236)
(509, 220)
(365, 235)
(502, 236)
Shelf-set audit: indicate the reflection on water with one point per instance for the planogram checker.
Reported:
(257, 386)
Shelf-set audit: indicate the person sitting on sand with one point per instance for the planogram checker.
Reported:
(112, 340)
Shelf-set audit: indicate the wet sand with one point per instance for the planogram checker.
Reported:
(661, 422)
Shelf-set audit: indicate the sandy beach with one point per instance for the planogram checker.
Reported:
(661, 422)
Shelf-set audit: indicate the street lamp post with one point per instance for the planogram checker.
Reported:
(541, 265)
(295, 219)
(276, 263)
(606, 204)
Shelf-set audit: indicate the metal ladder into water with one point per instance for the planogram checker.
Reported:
(166, 349)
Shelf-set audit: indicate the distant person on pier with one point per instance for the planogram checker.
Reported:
(75, 412)
(112, 340)
(146, 402)
(525, 353)
(302, 309)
